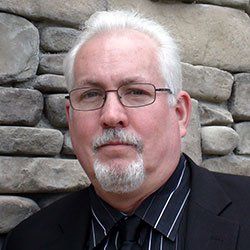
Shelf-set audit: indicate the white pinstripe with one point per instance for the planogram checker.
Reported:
(176, 244)
(178, 214)
(170, 196)
(105, 247)
(116, 238)
(93, 232)
(150, 239)
(161, 245)
(104, 230)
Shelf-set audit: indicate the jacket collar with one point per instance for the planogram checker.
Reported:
(206, 229)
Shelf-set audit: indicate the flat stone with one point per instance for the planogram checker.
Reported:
(191, 143)
(240, 4)
(218, 140)
(248, 9)
(40, 175)
(72, 12)
(51, 64)
(212, 114)
(28, 84)
(55, 110)
(243, 130)
(239, 106)
(13, 210)
(207, 83)
(67, 145)
(20, 106)
(58, 39)
(19, 48)
(207, 34)
(44, 123)
(49, 83)
(30, 141)
(239, 165)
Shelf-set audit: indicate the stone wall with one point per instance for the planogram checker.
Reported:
(37, 163)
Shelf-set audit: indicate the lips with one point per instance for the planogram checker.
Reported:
(115, 143)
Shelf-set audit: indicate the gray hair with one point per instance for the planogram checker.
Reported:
(105, 21)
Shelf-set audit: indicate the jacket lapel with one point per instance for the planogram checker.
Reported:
(72, 231)
(206, 229)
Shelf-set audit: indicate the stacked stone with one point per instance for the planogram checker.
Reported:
(37, 162)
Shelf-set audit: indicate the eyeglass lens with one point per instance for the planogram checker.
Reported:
(130, 95)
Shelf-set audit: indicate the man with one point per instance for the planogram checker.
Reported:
(126, 115)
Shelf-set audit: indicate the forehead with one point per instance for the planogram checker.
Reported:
(116, 54)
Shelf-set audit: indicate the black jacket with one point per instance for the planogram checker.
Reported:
(217, 218)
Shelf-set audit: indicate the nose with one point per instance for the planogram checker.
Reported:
(113, 113)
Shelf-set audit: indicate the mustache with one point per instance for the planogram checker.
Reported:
(121, 135)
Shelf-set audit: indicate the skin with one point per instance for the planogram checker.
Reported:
(108, 60)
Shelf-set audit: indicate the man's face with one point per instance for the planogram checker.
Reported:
(108, 61)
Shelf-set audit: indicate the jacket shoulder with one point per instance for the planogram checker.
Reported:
(234, 188)
(46, 223)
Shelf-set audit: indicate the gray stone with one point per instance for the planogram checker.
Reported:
(13, 210)
(243, 130)
(51, 64)
(240, 4)
(55, 110)
(248, 9)
(207, 34)
(67, 145)
(40, 175)
(239, 165)
(28, 84)
(30, 141)
(206, 83)
(218, 140)
(49, 83)
(19, 48)
(191, 143)
(20, 106)
(240, 98)
(58, 39)
(44, 123)
(212, 114)
(71, 12)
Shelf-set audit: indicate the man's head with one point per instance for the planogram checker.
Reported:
(108, 21)
(128, 136)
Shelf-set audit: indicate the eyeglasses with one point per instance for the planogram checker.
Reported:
(131, 95)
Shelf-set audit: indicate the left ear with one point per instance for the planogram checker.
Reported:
(183, 109)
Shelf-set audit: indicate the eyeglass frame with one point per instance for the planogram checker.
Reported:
(119, 97)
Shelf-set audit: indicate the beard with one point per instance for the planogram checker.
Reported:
(115, 177)
(120, 179)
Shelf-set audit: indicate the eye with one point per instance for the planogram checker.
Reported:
(136, 92)
(91, 94)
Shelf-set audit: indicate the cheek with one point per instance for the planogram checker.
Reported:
(82, 131)
(160, 132)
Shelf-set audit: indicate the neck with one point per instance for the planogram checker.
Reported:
(128, 202)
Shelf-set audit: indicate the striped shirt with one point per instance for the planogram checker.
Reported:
(161, 214)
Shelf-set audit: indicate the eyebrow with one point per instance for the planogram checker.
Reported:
(133, 79)
(91, 82)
